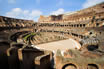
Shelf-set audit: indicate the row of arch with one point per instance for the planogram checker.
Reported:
(17, 25)
(8, 19)
(63, 32)
(62, 25)
(73, 66)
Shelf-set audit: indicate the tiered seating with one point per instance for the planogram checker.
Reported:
(44, 38)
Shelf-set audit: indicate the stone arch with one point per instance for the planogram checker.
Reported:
(92, 66)
(92, 47)
(69, 66)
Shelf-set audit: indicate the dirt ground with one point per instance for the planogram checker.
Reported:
(62, 45)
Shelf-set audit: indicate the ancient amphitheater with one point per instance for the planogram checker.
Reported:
(67, 41)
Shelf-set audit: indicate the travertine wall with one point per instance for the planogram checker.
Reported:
(87, 14)
(48, 19)
(77, 25)
(13, 22)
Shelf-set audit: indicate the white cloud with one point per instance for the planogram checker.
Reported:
(24, 14)
(57, 12)
(89, 3)
(35, 13)
(12, 1)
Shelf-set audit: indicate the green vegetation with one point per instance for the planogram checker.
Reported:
(29, 35)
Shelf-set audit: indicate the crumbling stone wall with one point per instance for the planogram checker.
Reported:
(17, 37)
(70, 60)
(13, 22)
(84, 16)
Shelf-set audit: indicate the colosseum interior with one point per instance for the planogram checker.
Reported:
(67, 41)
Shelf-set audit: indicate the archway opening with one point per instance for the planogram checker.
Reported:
(92, 47)
(69, 66)
(92, 66)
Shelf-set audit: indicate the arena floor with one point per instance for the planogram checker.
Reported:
(62, 45)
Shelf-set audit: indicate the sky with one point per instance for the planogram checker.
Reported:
(32, 9)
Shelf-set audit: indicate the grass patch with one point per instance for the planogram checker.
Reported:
(29, 35)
